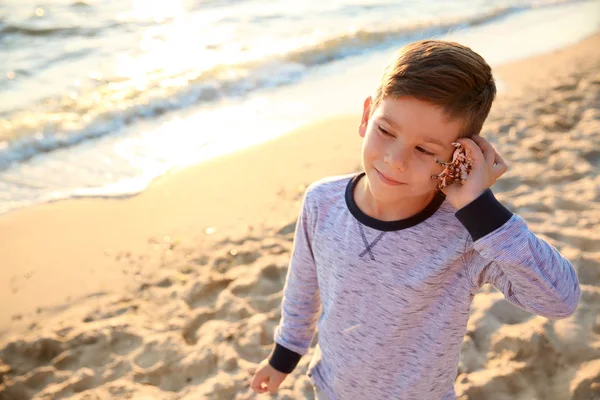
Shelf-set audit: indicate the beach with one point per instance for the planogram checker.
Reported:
(174, 293)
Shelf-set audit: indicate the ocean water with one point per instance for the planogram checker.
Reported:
(98, 98)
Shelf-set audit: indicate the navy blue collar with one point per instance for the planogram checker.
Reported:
(371, 222)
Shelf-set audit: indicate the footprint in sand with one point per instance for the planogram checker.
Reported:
(204, 292)
(268, 281)
(588, 270)
(506, 184)
(593, 157)
(195, 322)
(583, 241)
(123, 343)
(110, 312)
(235, 257)
(287, 230)
(586, 384)
(508, 313)
(33, 353)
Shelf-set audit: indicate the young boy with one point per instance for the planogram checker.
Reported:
(386, 265)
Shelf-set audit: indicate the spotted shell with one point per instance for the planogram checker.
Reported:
(455, 171)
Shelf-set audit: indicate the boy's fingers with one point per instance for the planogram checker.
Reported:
(261, 389)
(500, 167)
(489, 154)
(256, 382)
(273, 385)
(472, 149)
(500, 162)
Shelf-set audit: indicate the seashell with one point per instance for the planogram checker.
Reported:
(455, 171)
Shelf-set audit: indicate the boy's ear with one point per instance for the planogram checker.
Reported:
(362, 129)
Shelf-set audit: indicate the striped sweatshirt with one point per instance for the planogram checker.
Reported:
(391, 299)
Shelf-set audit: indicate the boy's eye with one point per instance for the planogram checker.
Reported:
(424, 151)
(386, 133)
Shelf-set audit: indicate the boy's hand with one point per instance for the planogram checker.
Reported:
(487, 167)
(267, 375)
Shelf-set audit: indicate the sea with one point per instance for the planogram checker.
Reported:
(98, 98)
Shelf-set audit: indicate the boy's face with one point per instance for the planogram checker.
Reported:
(400, 144)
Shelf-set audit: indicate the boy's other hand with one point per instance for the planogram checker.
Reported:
(267, 375)
(487, 167)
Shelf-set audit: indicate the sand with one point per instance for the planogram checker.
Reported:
(175, 293)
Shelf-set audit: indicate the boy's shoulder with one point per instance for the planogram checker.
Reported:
(329, 186)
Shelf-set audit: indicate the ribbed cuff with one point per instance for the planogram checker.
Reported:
(283, 360)
(483, 215)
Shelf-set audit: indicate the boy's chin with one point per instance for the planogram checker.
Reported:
(382, 191)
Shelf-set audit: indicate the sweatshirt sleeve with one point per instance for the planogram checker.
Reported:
(530, 273)
(301, 303)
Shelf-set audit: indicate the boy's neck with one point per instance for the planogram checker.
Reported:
(403, 209)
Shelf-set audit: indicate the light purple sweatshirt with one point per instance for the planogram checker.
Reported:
(391, 299)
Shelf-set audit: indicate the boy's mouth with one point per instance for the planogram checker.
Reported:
(387, 179)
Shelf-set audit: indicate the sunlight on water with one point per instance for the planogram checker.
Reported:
(144, 86)
(157, 10)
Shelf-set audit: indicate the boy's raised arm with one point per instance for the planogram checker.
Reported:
(301, 303)
(532, 274)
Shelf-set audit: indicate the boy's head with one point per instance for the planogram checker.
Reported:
(431, 91)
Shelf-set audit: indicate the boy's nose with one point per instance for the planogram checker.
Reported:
(397, 159)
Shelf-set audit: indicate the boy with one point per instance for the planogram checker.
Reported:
(386, 264)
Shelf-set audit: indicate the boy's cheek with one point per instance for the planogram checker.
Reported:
(373, 150)
(368, 154)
